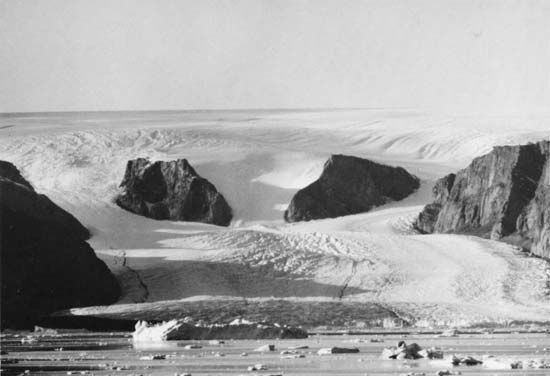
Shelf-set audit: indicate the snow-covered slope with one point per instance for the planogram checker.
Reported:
(258, 159)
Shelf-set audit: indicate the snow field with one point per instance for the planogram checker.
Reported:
(258, 161)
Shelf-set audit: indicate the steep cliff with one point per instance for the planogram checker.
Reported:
(503, 195)
(533, 224)
(428, 217)
(46, 263)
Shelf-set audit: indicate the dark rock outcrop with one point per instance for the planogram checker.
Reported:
(412, 351)
(503, 195)
(18, 195)
(46, 263)
(171, 190)
(10, 172)
(350, 185)
(337, 350)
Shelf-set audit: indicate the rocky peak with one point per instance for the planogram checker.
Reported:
(501, 195)
(350, 185)
(171, 190)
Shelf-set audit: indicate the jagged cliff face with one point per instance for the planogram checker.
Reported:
(501, 195)
(428, 217)
(534, 222)
(46, 264)
(350, 185)
(171, 190)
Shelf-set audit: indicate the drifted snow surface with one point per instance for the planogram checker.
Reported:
(258, 160)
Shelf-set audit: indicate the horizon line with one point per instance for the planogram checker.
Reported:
(210, 110)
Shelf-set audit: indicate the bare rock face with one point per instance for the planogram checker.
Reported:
(18, 195)
(171, 190)
(10, 172)
(350, 185)
(45, 261)
(533, 224)
(428, 217)
(502, 195)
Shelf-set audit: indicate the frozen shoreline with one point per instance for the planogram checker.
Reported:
(104, 353)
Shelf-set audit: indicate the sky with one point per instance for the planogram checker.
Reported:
(455, 56)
